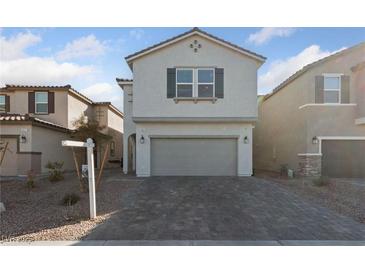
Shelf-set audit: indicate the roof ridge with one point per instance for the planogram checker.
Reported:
(195, 29)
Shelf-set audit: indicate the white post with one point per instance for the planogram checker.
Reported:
(91, 175)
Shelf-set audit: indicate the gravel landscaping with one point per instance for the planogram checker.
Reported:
(38, 213)
(345, 196)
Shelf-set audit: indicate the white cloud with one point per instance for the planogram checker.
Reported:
(87, 46)
(266, 34)
(13, 47)
(40, 71)
(280, 70)
(18, 68)
(105, 92)
(98, 89)
(136, 33)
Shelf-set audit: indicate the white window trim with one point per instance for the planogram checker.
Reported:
(209, 83)
(191, 83)
(333, 75)
(35, 102)
(195, 84)
(339, 138)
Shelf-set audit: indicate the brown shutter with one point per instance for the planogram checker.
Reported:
(31, 102)
(345, 89)
(171, 82)
(50, 102)
(319, 86)
(7, 103)
(219, 82)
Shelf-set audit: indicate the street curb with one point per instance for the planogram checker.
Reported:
(185, 243)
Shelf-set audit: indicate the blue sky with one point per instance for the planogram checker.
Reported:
(91, 58)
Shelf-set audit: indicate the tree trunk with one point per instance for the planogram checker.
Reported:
(102, 166)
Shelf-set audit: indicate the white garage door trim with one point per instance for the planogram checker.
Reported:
(339, 138)
(235, 138)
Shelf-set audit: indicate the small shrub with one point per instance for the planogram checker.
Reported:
(30, 179)
(321, 181)
(70, 199)
(55, 171)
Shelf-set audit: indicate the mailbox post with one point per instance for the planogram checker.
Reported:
(89, 145)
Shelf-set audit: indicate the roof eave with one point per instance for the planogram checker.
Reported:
(130, 58)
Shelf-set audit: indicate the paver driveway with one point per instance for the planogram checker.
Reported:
(221, 208)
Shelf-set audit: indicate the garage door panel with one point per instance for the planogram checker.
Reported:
(194, 157)
(343, 158)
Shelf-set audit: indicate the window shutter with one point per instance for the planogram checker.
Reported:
(219, 82)
(50, 102)
(319, 93)
(345, 89)
(171, 82)
(7, 103)
(31, 102)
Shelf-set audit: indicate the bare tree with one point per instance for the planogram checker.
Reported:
(88, 128)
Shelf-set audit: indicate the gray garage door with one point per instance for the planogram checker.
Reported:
(194, 157)
(343, 159)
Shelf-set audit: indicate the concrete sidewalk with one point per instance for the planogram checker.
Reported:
(184, 243)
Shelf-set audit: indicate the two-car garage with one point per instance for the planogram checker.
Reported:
(343, 158)
(194, 156)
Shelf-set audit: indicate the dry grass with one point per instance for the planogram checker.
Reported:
(38, 213)
(345, 196)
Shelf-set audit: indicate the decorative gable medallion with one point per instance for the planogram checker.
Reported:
(195, 46)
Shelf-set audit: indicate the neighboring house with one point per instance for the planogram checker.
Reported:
(314, 121)
(190, 107)
(35, 119)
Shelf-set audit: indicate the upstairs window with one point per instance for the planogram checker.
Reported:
(205, 82)
(2, 104)
(194, 82)
(184, 82)
(332, 89)
(41, 102)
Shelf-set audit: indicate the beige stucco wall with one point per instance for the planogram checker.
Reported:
(48, 142)
(20, 128)
(19, 105)
(38, 139)
(115, 125)
(280, 131)
(9, 165)
(359, 86)
(150, 73)
(187, 130)
(287, 130)
(76, 108)
(129, 127)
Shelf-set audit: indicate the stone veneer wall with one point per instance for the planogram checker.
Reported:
(310, 165)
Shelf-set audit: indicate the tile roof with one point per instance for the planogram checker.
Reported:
(13, 117)
(66, 87)
(123, 80)
(198, 30)
(33, 87)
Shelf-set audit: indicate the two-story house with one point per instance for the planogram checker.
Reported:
(314, 122)
(35, 119)
(190, 107)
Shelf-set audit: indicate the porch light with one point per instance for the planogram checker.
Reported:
(23, 139)
(314, 140)
(141, 140)
(245, 140)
